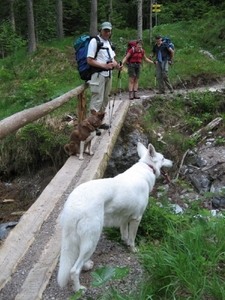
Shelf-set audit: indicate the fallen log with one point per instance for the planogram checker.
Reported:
(198, 134)
(208, 127)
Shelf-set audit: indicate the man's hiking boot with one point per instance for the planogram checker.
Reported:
(104, 126)
(136, 96)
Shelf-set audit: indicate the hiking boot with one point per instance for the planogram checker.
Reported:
(136, 96)
(131, 97)
(98, 132)
(104, 126)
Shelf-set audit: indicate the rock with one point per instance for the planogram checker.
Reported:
(5, 229)
(218, 201)
(124, 155)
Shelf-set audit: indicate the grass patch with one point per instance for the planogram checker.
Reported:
(183, 255)
(188, 263)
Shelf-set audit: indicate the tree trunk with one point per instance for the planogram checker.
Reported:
(12, 16)
(110, 11)
(94, 18)
(140, 19)
(59, 12)
(31, 31)
(150, 27)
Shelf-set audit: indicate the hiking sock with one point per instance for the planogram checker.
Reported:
(135, 95)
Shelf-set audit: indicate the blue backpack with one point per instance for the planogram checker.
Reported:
(168, 43)
(81, 48)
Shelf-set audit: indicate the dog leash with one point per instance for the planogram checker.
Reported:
(115, 93)
(165, 175)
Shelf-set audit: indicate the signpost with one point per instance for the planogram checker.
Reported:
(156, 9)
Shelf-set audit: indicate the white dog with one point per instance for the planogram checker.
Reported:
(111, 202)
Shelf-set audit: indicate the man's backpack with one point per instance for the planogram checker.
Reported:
(168, 43)
(81, 49)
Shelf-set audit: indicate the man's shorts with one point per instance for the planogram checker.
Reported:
(134, 70)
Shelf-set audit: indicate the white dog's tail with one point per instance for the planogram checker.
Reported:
(69, 254)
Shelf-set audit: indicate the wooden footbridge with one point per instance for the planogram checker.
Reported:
(30, 253)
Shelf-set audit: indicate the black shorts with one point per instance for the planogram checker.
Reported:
(134, 70)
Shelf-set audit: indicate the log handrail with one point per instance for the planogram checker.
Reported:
(20, 119)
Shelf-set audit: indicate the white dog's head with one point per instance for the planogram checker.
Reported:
(153, 159)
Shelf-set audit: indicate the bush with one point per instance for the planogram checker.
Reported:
(10, 42)
(33, 145)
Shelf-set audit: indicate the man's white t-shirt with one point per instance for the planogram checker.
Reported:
(103, 55)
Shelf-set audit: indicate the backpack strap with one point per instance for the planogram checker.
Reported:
(99, 45)
(133, 52)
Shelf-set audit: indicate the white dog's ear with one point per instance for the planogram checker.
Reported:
(142, 150)
(151, 150)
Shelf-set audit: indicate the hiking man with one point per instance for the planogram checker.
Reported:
(134, 57)
(164, 56)
(104, 62)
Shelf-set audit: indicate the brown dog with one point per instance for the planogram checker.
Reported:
(80, 138)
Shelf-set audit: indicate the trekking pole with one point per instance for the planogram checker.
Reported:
(115, 92)
(150, 73)
(179, 78)
(120, 88)
(155, 75)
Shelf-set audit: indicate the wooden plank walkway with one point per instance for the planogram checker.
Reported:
(32, 247)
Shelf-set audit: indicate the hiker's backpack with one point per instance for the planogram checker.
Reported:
(131, 45)
(81, 49)
(168, 43)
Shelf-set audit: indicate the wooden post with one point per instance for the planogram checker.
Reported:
(81, 106)
(150, 21)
